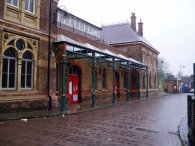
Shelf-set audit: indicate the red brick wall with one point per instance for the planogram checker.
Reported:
(44, 16)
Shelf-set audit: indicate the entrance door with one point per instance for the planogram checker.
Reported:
(73, 89)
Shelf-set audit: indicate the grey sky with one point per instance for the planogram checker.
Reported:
(169, 25)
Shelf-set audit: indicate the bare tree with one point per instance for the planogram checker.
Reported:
(163, 65)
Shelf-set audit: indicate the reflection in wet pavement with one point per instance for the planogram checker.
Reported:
(152, 121)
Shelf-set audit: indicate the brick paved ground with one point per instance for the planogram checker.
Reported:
(144, 123)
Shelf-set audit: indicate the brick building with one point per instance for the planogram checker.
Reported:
(24, 34)
(126, 38)
(48, 54)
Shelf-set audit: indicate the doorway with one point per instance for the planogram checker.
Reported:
(74, 85)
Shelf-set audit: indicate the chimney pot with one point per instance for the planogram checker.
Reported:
(133, 22)
(140, 28)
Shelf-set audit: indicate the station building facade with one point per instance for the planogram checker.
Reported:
(48, 54)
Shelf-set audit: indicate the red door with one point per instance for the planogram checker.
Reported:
(117, 87)
(72, 89)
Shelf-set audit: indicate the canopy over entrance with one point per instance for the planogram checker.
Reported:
(71, 49)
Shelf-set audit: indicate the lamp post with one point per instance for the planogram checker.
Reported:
(179, 77)
(63, 61)
(162, 77)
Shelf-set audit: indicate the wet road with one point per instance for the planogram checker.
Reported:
(153, 121)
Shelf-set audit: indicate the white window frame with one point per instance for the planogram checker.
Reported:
(28, 3)
(8, 72)
(25, 74)
(12, 3)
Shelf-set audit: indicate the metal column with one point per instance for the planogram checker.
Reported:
(128, 81)
(113, 78)
(146, 81)
(93, 80)
(63, 61)
(138, 84)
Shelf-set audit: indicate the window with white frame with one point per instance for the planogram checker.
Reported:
(27, 71)
(9, 69)
(13, 2)
(30, 5)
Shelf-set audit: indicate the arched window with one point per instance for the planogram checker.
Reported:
(9, 69)
(27, 71)
(104, 79)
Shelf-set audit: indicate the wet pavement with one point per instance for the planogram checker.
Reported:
(149, 122)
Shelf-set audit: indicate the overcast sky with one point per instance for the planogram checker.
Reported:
(169, 25)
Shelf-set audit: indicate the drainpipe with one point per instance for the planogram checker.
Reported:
(49, 52)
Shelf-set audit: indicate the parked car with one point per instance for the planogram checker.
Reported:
(191, 90)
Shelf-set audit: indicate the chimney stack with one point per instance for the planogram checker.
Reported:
(140, 28)
(133, 22)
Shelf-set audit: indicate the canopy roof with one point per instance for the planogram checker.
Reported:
(86, 49)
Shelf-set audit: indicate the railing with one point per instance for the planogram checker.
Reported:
(191, 118)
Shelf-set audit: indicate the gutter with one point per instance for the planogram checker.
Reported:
(49, 52)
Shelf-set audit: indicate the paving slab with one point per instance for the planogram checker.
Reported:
(149, 122)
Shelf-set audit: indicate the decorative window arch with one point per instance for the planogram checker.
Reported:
(27, 71)
(19, 62)
(9, 69)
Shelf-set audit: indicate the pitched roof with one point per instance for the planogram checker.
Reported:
(121, 34)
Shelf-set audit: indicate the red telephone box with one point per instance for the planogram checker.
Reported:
(73, 89)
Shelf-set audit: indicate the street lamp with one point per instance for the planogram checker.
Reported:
(61, 46)
(179, 76)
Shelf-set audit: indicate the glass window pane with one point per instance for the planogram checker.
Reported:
(12, 66)
(5, 65)
(23, 67)
(11, 80)
(9, 1)
(28, 82)
(23, 81)
(27, 55)
(29, 67)
(15, 2)
(20, 45)
(31, 6)
(26, 4)
(4, 80)
(10, 53)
